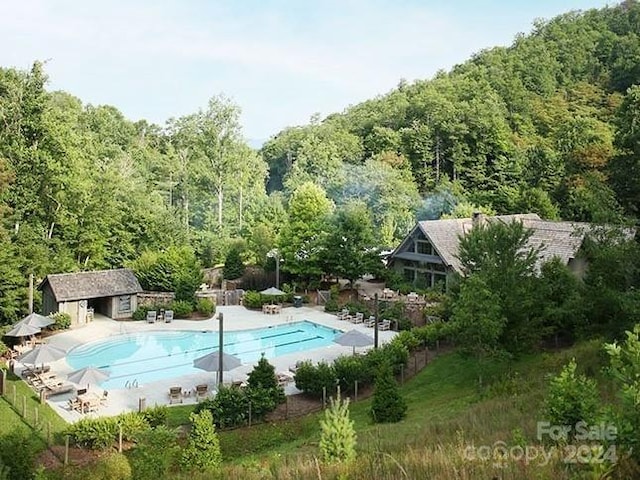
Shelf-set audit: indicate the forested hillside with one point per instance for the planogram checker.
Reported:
(548, 125)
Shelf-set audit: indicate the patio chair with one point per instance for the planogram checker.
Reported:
(152, 316)
(359, 318)
(175, 395)
(105, 395)
(284, 378)
(202, 391)
(60, 389)
(384, 325)
(74, 404)
(168, 316)
(370, 322)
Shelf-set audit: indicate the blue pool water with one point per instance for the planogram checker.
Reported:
(158, 355)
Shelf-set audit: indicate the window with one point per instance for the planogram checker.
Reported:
(124, 303)
(409, 274)
(424, 248)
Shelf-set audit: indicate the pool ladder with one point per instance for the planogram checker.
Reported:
(131, 384)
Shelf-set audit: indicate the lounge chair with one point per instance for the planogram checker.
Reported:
(74, 404)
(175, 395)
(343, 315)
(202, 391)
(152, 316)
(29, 372)
(60, 389)
(168, 316)
(370, 322)
(359, 318)
(284, 378)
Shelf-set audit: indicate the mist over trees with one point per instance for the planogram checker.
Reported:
(546, 125)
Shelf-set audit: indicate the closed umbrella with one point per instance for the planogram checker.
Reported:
(88, 376)
(211, 362)
(42, 354)
(23, 330)
(37, 320)
(354, 338)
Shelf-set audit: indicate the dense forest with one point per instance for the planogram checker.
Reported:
(550, 124)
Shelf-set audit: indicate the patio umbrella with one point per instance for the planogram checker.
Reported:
(272, 291)
(354, 338)
(22, 330)
(88, 376)
(211, 362)
(42, 354)
(37, 320)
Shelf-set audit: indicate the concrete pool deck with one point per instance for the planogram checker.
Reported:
(157, 392)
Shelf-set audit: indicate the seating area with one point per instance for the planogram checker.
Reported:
(152, 316)
(271, 309)
(175, 395)
(202, 391)
(87, 401)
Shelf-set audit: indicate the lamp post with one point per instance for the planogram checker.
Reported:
(220, 347)
(274, 253)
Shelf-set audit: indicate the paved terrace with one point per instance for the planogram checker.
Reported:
(235, 318)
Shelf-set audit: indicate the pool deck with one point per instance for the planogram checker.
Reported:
(235, 318)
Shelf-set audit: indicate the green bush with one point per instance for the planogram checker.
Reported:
(182, 308)
(112, 467)
(252, 299)
(312, 379)
(206, 306)
(63, 321)
(331, 305)
(141, 313)
(263, 389)
(352, 368)
(408, 339)
(93, 433)
(156, 416)
(229, 408)
(387, 404)
(338, 437)
(18, 452)
(132, 423)
(155, 454)
(203, 448)
(393, 354)
(571, 398)
(233, 265)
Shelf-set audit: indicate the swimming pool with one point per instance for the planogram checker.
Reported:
(155, 355)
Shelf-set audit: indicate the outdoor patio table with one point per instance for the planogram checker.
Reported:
(88, 401)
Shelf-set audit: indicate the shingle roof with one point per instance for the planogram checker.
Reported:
(444, 234)
(96, 284)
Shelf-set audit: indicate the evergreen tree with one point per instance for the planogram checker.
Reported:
(263, 390)
(233, 265)
(203, 448)
(387, 406)
(338, 437)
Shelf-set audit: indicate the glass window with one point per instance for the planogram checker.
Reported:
(409, 274)
(423, 247)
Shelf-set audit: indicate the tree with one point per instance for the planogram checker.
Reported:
(263, 389)
(349, 250)
(233, 265)
(338, 437)
(503, 265)
(301, 240)
(203, 447)
(387, 406)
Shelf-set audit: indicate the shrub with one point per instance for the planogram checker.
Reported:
(252, 299)
(156, 416)
(229, 408)
(387, 404)
(141, 313)
(392, 354)
(331, 305)
(132, 424)
(408, 339)
(206, 306)
(338, 437)
(93, 433)
(155, 453)
(182, 308)
(112, 467)
(312, 379)
(63, 321)
(571, 398)
(18, 451)
(233, 265)
(203, 448)
(349, 369)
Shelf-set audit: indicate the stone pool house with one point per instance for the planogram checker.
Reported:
(428, 254)
(113, 293)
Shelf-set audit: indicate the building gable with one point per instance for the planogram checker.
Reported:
(86, 285)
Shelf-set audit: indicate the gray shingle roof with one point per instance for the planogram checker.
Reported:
(96, 284)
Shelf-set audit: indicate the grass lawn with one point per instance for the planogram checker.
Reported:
(46, 415)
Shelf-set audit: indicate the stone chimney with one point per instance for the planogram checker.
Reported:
(477, 219)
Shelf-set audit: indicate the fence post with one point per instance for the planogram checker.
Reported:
(24, 406)
(355, 388)
(286, 407)
(15, 393)
(120, 439)
(3, 383)
(66, 449)
(48, 433)
(35, 415)
(324, 397)
(249, 412)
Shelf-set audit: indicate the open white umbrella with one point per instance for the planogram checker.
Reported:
(42, 354)
(22, 330)
(273, 291)
(37, 320)
(354, 338)
(88, 376)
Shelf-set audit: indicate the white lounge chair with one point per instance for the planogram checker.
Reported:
(370, 322)
(168, 316)
(384, 325)
(359, 318)
(152, 316)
